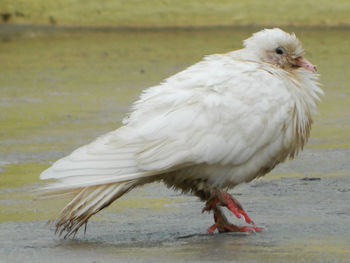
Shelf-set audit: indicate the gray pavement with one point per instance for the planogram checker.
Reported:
(303, 205)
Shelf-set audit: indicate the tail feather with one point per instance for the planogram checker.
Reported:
(66, 183)
(97, 174)
(87, 202)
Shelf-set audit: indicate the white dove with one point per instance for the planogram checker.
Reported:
(223, 121)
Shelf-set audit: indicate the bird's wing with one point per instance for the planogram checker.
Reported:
(219, 111)
(216, 111)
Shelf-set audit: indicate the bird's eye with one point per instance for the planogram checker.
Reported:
(279, 51)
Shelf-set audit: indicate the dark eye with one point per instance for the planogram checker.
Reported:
(279, 51)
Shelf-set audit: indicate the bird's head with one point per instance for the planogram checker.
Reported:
(278, 48)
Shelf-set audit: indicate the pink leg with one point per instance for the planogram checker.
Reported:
(221, 224)
(235, 207)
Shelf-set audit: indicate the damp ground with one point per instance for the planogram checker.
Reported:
(62, 88)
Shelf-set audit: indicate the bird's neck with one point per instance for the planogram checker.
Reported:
(304, 89)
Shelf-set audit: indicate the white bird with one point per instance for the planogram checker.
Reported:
(223, 121)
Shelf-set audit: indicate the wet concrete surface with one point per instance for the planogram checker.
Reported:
(306, 217)
(61, 90)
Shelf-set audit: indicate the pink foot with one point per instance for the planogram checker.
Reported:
(224, 199)
(228, 227)
(221, 223)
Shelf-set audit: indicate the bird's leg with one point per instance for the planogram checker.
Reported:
(222, 224)
(220, 198)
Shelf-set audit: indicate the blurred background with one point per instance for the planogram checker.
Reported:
(178, 13)
(70, 69)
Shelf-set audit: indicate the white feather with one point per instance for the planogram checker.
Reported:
(226, 120)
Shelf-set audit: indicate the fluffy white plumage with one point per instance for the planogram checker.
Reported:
(225, 120)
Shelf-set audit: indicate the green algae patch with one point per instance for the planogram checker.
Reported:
(18, 204)
(329, 248)
(62, 89)
(23, 204)
(325, 249)
(277, 176)
(152, 203)
(337, 174)
(330, 136)
(332, 249)
(19, 199)
(16, 175)
(180, 13)
(26, 206)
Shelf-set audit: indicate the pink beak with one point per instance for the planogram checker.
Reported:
(304, 63)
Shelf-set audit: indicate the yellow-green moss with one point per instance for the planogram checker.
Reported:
(16, 205)
(61, 89)
(16, 175)
(324, 249)
(179, 13)
(21, 204)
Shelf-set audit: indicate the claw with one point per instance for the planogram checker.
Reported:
(250, 229)
(228, 227)
(212, 228)
(246, 217)
(221, 224)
